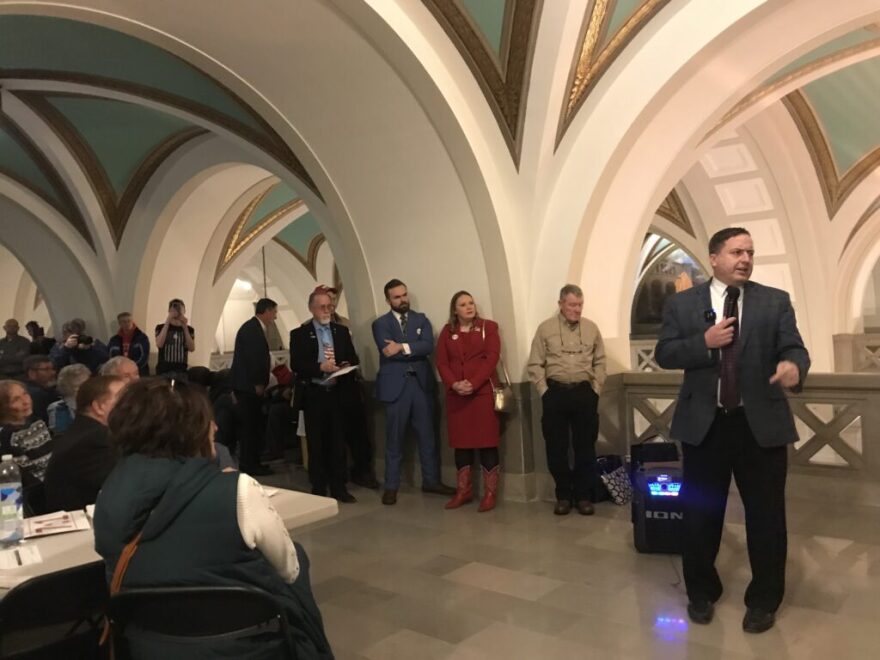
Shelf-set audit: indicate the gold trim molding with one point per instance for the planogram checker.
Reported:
(67, 207)
(504, 80)
(835, 189)
(237, 241)
(267, 139)
(310, 261)
(588, 65)
(673, 210)
(116, 208)
(805, 71)
(867, 215)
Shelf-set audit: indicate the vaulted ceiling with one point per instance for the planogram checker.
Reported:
(120, 107)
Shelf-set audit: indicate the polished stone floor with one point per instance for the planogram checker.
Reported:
(416, 582)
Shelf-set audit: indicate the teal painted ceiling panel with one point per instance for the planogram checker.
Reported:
(489, 17)
(85, 48)
(854, 38)
(17, 162)
(278, 196)
(621, 11)
(847, 104)
(120, 134)
(300, 233)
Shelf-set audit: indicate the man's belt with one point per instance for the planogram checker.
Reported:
(730, 412)
(558, 385)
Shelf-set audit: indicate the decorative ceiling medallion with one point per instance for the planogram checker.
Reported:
(66, 205)
(238, 239)
(673, 210)
(116, 208)
(804, 72)
(835, 189)
(267, 139)
(867, 215)
(592, 61)
(310, 260)
(504, 78)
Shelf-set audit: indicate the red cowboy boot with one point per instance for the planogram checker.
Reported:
(490, 488)
(464, 489)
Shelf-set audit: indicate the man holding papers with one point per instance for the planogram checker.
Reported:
(323, 357)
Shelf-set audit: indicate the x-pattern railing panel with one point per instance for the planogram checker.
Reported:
(827, 433)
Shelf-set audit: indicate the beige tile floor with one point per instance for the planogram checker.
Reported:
(415, 582)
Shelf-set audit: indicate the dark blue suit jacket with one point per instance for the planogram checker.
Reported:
(392, 370)
(250, 362)
(768, 336)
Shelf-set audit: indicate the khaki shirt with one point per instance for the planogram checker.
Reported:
(567, 353)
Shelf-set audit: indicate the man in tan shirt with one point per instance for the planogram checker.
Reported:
(567, 365)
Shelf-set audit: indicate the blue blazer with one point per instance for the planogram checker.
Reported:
(768, 336)
(393, 370)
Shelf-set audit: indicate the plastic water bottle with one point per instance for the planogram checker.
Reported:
(11, 511)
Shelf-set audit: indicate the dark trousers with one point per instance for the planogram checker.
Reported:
(730, 448)
(280, 431)
(357, 435)
(570, 419)
(413, 405)
(250, 428)
(325, 429)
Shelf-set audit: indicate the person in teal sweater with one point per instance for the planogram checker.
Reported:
(199, 525)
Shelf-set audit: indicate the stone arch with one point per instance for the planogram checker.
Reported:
(646, 140)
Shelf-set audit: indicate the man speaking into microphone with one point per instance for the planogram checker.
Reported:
(740, 349)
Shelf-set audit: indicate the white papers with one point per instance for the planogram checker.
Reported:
(20, 555)
(56, 523)
(341, 372)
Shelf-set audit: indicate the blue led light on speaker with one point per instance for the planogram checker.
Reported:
(663, 486)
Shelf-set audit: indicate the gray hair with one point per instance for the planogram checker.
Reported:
(570, 290)
(70, 378)
(111, 366)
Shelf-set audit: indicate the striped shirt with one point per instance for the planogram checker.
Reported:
(173, 356)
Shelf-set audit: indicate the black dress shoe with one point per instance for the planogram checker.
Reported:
(345, 497)
(701, 611)
(562, 508)
(439, 489)
(757, 620)
(585, 507)
(389, 497)
(367, 481)
(257, 470)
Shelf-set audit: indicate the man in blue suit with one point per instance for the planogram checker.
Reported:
(405, 385)
(740, 349)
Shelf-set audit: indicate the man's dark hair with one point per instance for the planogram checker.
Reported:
(391, 285)
(94, 389)
(264, 305)
(34, 362)
(175, 302)
(315, 294)
(162, 418)
(719, 238)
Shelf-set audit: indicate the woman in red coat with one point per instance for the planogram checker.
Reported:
(467, 354)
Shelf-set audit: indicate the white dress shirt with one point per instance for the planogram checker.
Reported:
(718, 290)
(397, 315)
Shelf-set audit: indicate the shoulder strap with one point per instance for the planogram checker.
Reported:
(116, 584)
(123, 562)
